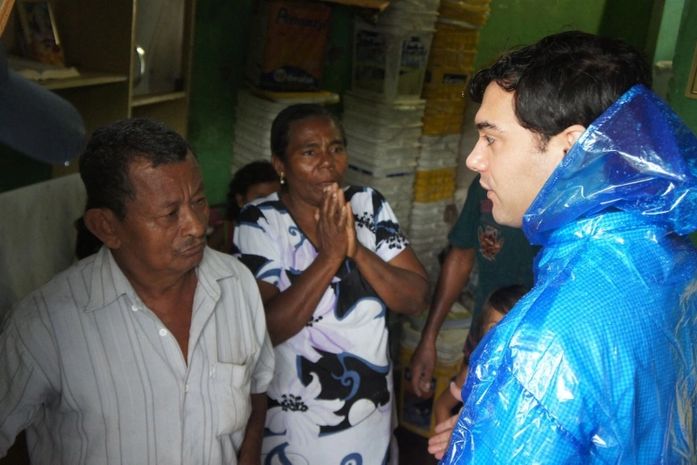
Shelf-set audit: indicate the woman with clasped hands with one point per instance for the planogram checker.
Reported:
(330, 263)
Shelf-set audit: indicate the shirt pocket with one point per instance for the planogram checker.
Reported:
(232, 402)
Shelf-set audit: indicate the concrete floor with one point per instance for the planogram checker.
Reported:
(412, 449)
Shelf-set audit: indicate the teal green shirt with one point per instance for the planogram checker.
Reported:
(504, 255)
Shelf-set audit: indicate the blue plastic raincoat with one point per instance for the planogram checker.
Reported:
(597, 364)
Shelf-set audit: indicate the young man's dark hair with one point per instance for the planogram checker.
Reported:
(564, 79)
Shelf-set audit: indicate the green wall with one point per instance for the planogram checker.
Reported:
(337, 68)
(682, 63)
(220, 43)
(520, 22)
(668, 32)
(629, 20)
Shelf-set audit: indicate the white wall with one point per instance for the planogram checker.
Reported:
(37, 237)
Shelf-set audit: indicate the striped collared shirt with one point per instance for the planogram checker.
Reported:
(96, 378)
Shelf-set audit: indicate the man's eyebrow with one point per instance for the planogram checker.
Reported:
(487, 125)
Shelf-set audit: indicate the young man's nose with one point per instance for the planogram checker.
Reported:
(476, 160)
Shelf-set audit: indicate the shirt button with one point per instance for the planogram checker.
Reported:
(186, 388)
(134, 308)
(163, 332)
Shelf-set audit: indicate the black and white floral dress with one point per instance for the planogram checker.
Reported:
(330, 401)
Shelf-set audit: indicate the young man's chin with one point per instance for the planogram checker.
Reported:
(506, 219)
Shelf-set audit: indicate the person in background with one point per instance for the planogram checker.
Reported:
(330, 264)
(502, 256)
(597, 364)
(153, 350)
(499, 303)
(252, 181)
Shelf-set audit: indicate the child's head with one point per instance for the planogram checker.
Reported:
(253, 180)
(499, 303)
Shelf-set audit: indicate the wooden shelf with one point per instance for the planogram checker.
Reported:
(102, 35)
(379, 5)
(151, 99)
(85, 79)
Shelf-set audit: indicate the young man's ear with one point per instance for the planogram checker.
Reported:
(103, 223)
(571, 135)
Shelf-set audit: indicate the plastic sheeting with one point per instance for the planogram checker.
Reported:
(598, 364)
(637, 156)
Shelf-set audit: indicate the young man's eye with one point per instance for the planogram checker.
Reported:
(338, 149)
(308, 153)
(489, 140)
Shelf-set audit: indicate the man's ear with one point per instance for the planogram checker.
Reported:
(103, 223)
(571, 135)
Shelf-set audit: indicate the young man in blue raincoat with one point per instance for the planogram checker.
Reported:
(597, 364)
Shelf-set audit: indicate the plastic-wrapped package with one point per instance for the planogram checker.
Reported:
(598, 363)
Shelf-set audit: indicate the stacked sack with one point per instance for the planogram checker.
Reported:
(434, 187)
(383, 145)
(451, 63)
(450, 66)
(449, 70)
(252, 130)
(383, 111)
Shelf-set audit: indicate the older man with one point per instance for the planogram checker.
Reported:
(597, 364)
(155, 349)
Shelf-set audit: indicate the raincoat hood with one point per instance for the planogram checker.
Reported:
(638, 157)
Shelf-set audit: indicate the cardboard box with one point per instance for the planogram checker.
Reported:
(288, 45)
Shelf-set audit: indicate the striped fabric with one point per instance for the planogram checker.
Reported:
(95, 377)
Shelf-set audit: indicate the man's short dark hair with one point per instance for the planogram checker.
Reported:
(564, 79)
(105, 162)
(281, 124)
